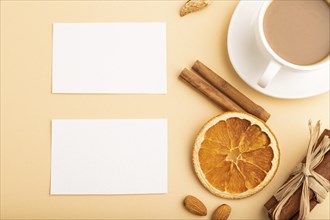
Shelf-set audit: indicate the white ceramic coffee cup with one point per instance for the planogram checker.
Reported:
(276, 63)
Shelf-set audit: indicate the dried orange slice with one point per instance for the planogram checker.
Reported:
(235, 155)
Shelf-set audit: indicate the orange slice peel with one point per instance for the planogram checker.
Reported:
(235, 155)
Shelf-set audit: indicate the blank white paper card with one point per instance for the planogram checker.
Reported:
(109, 58)
(112, 156)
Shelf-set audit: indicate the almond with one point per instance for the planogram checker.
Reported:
(194, 205)
(222, 212)
(192, 6)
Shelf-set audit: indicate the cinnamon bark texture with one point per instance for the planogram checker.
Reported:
(291, 208)
(209, 91)
(221, 92)
(234, 94)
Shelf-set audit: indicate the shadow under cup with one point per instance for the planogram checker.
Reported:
(294, 35)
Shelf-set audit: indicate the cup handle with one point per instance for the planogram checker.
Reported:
(272, 69)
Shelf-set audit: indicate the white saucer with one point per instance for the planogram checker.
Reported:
(249, 63)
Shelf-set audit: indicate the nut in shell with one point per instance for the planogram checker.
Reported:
(192, 6)
(194, 205)
(222, 212)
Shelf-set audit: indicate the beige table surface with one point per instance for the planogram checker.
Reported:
(27, 107)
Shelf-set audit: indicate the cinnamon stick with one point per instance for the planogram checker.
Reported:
(312, 205)
(234, 94)
(209, 91)
(291, 209)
